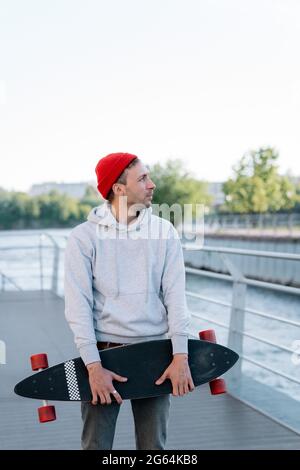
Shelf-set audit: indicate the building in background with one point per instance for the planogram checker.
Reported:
(76, 190)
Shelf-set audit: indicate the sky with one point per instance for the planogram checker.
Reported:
(204, 81)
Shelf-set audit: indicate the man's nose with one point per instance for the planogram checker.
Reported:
(151, 185)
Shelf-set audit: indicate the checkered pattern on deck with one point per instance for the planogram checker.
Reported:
(72, 380)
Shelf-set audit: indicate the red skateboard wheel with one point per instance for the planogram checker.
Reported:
(39, 361)
(208, 335)
(217, 386)
(47, 413)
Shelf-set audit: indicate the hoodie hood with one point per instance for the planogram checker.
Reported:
(103, 216)
(106, 223)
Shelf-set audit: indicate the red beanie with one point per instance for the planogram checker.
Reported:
(109, 169)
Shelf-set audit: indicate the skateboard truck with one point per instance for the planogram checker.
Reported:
(217, 386)
(46, 412)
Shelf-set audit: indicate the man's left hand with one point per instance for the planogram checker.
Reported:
(180, 375)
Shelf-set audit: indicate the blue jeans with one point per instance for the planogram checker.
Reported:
(150, 419)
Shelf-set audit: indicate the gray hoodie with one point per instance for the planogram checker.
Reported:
(125, 283)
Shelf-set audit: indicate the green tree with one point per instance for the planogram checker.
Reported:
(174, 185)
(83, 211)
(91, 197)
(57, 210)
(257, 186)
(15, 209)
(297, 205)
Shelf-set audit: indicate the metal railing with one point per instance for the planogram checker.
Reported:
(257, 223)
(7, 280)
(238, 307)
(40, 261)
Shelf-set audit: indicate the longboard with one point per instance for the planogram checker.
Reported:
(142, 363)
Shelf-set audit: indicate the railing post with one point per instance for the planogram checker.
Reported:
(41, 237)
(2, 352)
(237, 315)
(54, 287)
(54, 284)
(236, 325)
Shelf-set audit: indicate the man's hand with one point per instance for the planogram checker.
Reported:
(101, 384)
(180, 375)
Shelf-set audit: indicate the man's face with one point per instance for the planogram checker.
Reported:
(139, 188)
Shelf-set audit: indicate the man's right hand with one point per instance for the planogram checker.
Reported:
(101, 384)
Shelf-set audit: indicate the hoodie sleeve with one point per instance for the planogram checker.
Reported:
(173, 287)
(79, 297)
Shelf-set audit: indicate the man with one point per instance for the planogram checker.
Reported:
(125, 283)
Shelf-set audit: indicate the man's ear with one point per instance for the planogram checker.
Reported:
(118, 189)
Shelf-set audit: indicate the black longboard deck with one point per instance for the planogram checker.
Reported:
(142, 363)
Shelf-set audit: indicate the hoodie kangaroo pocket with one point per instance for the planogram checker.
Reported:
(131, 315)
